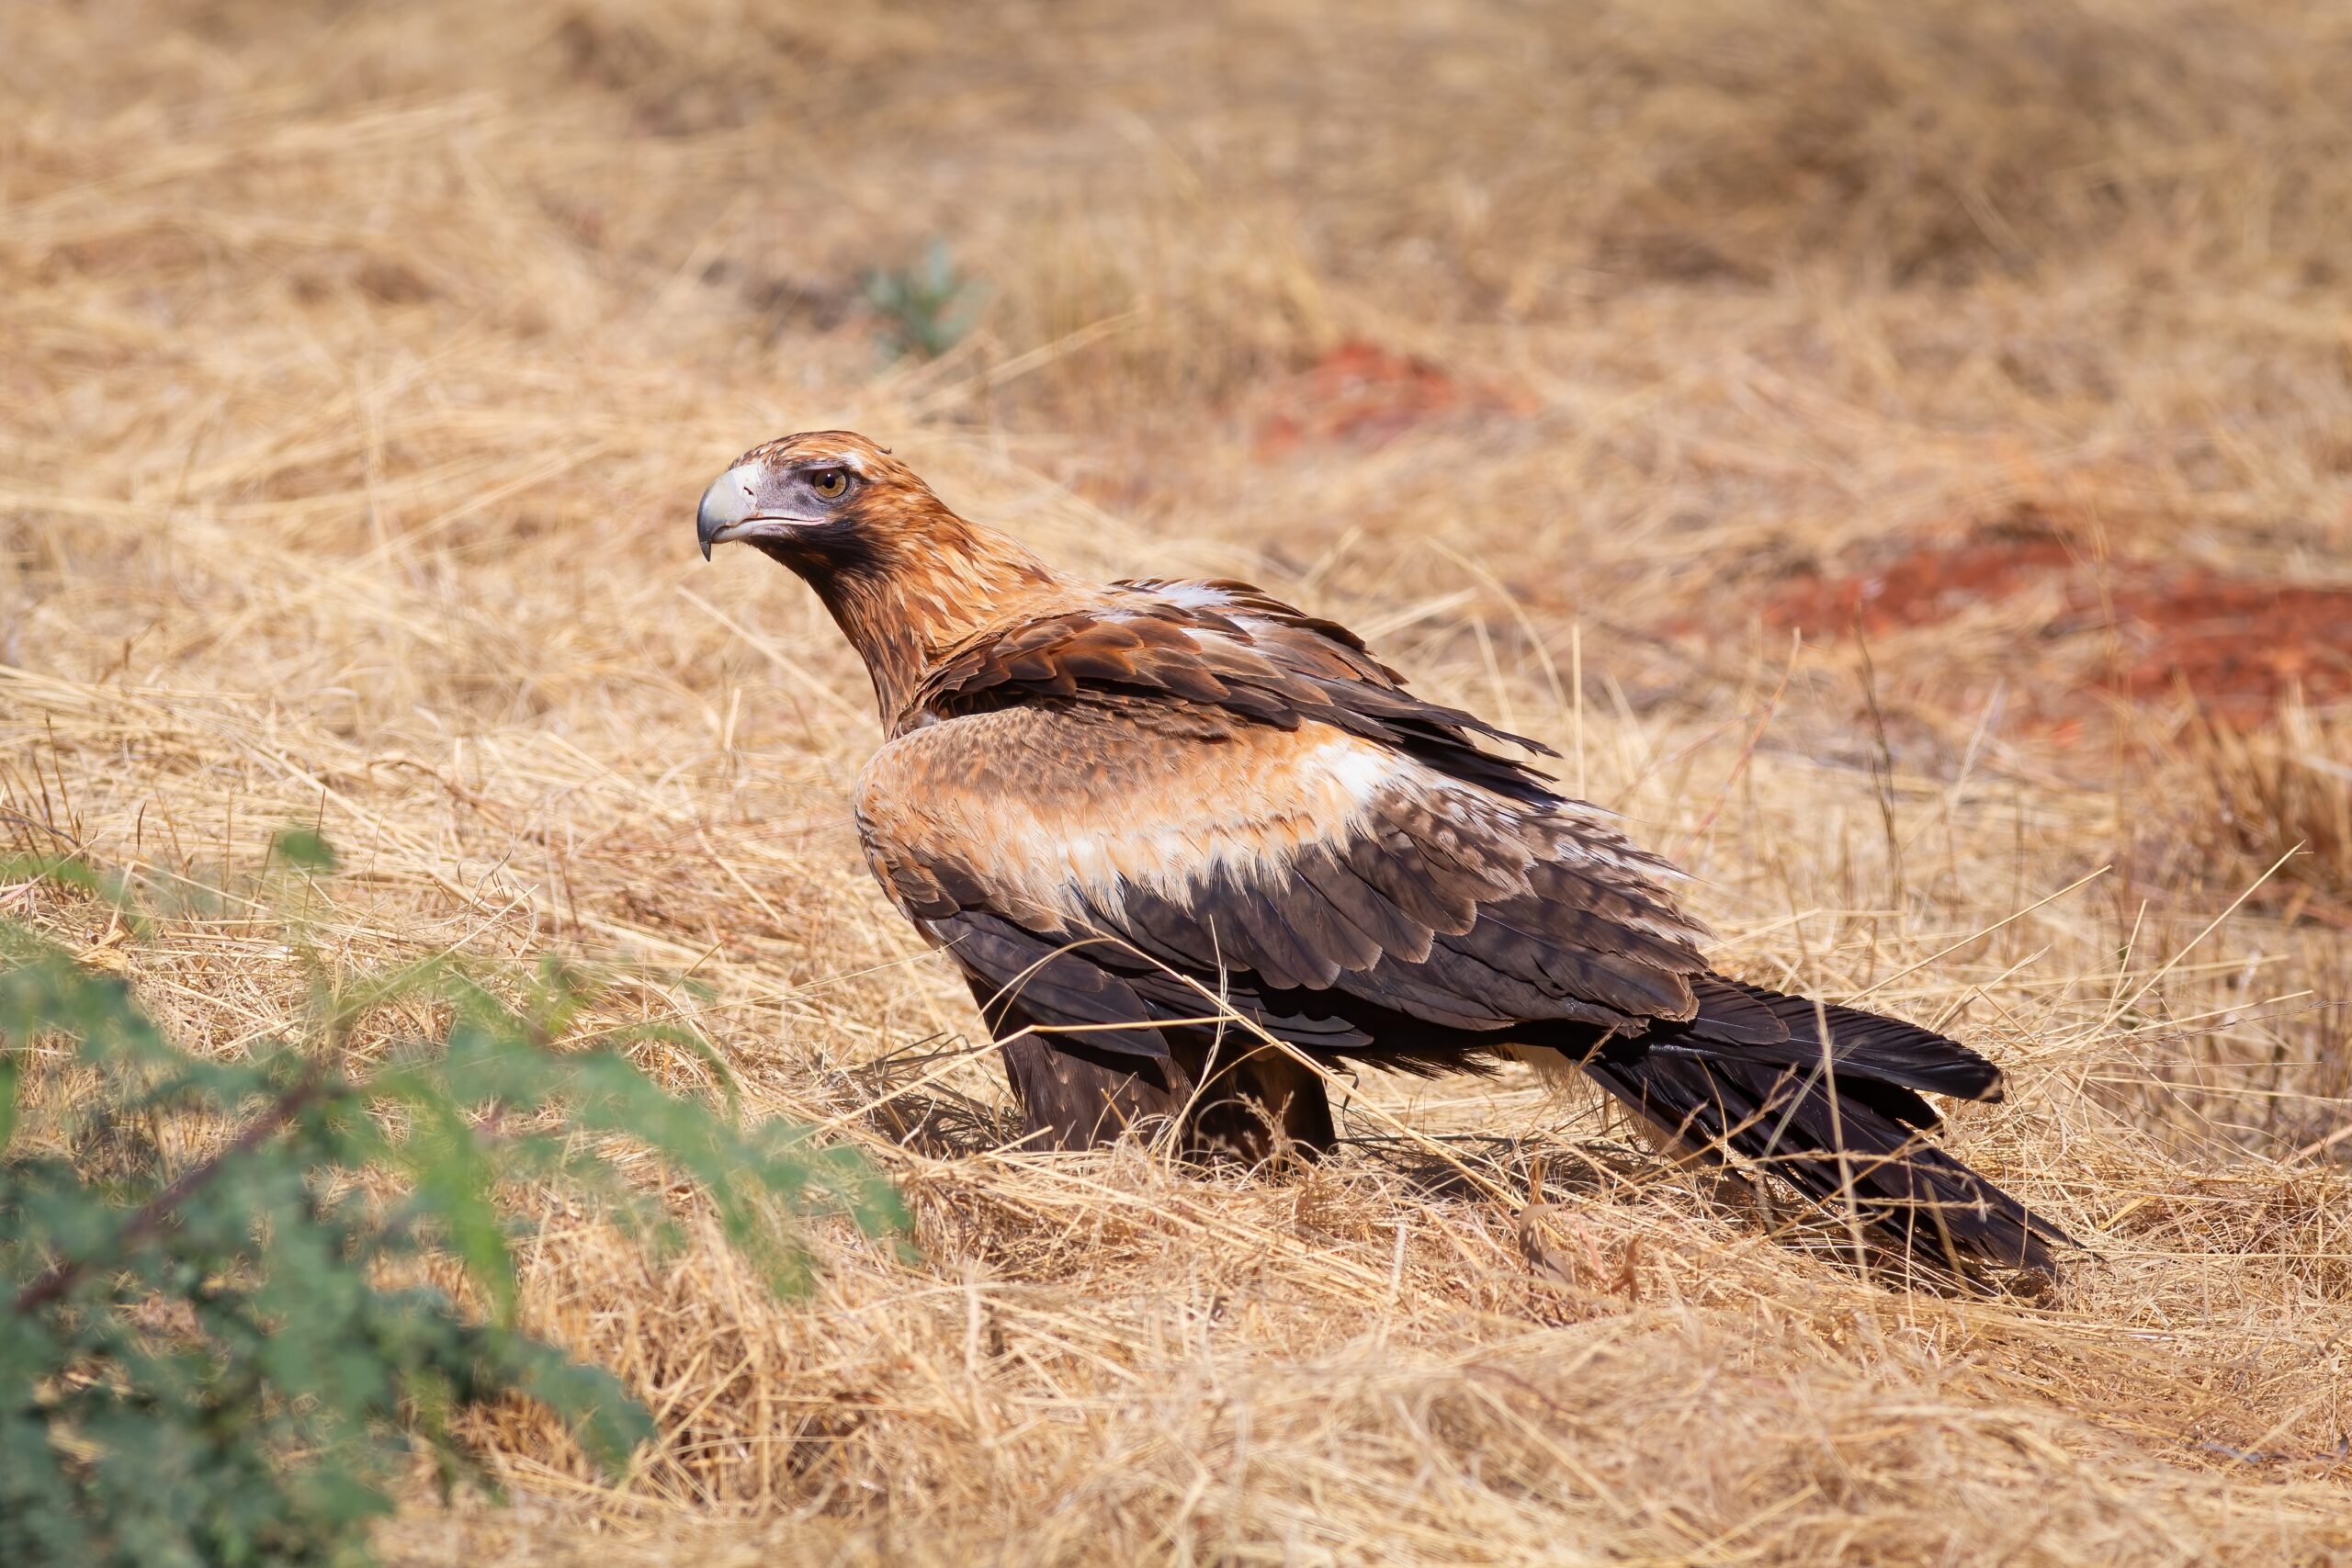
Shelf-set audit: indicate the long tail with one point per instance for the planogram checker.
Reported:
(1747, 1076)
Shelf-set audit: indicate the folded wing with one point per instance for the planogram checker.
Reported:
(1196, 782)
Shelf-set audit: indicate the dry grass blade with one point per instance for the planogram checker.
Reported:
(2284, 790)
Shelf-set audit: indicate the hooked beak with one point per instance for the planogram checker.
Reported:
(729, 510)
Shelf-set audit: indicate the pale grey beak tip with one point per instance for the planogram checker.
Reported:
(726, 502)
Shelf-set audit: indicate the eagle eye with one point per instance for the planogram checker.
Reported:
(830, 483)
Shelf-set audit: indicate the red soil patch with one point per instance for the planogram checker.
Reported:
(1920, 588)
(2239, 647)
(1362, 394)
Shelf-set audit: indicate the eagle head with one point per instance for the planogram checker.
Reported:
(903, 576)
(823, 501)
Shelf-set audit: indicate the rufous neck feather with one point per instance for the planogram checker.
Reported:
(927, 587)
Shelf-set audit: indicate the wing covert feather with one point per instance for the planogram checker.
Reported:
(1228, 652)
(1308, 858)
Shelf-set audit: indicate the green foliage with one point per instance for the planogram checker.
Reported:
(304, 850)
(926, 308)
(209, 1366)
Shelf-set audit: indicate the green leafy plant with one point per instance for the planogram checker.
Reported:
(927, 308)
(216, 1364)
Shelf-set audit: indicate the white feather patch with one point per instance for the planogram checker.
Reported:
(1193, 596)
(1330, 793)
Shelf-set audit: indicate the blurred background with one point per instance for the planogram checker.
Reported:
(1901, 456)
(2019, 326)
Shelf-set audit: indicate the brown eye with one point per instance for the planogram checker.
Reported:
(830, 483)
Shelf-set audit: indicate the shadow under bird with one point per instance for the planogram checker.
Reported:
(1158, 824)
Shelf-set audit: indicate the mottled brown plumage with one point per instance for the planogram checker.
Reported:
(1133, 812)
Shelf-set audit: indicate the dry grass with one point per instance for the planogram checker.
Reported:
(2285, 794)
(363, 363)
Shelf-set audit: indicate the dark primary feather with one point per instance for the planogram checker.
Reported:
(1884, 1049)
(1768, 1108)
(1784, 1120)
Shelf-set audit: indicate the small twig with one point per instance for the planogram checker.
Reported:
(1855, 1000)
(153, 1213)
(1881, 764)
(1746, 752)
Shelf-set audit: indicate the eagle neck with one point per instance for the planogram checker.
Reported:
(903, 612)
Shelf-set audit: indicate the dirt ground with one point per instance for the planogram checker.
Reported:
(1900, 458)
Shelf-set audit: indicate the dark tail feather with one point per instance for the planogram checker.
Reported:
(1766, 1026)
(1768, 1104)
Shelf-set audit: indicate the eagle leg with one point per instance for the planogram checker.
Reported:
(1068, 1100)
(1263, 1105)
(1253, 1108)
